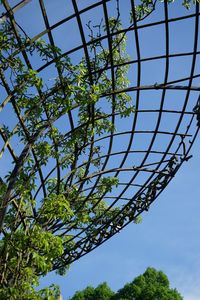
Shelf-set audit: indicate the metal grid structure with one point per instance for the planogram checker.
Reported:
(148, 147)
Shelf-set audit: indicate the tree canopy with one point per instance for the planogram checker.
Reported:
(152, 285)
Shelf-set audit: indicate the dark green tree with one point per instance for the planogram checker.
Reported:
(102, 292)
(152, 285)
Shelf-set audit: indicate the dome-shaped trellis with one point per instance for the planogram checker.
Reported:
(106, 120)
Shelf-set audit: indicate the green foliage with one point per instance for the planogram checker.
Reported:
(101, 292)
(50, 293)
(187, 3)
(26, 254)
(137, 220)
(146, 7)
(152, 285)
(35, 228)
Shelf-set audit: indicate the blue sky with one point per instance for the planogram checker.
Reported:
(168, 237)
